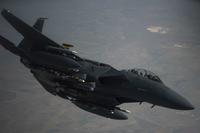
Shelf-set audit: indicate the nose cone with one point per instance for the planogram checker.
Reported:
(181, 103)
(176, 101)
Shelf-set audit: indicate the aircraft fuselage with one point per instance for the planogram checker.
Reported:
(92, 86)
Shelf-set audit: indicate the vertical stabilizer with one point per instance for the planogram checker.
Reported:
(39, 24)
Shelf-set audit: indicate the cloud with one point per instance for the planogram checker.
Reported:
(181, 45)
(158, 29)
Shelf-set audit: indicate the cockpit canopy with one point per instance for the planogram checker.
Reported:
(146, 74)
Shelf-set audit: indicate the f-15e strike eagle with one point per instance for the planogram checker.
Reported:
(92, 86)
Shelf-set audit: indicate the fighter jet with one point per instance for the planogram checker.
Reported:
(92, 86)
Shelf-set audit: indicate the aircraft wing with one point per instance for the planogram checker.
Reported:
(30, 33)
(8, 45)
(26, 44)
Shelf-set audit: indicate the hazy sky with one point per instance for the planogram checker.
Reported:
(159, 35)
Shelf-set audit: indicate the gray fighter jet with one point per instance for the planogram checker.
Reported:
(93, 86)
